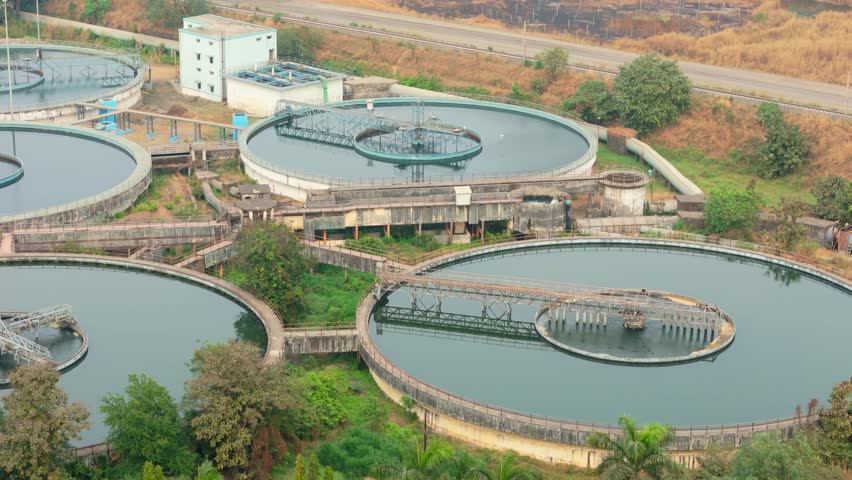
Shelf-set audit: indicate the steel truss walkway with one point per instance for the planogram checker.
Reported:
(13, 325)
(434, 319)
(634, 306)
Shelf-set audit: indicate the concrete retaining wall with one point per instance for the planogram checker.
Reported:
(342, 257)
(102, 31)
(132, 237)
(330, 341)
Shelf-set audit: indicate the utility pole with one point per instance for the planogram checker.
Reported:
(38, 21)
(8, 55)
(525, 37)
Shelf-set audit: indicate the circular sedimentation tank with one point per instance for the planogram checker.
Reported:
(495, 139)
(49, 80)
(66, 173)
(137, 321)
(792, 336)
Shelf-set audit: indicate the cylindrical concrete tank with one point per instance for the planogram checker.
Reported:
(623, 193)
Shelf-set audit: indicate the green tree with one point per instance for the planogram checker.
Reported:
(299, 42)
(592, 101)
(145, 426)
(788, 232)
(555, 62)
(417, 463)
(639, 455)
(94, 10)
(300, 468)
(651, 92)
(765, 457)
(507, 469)
(229, 397)
(715, 462)
(38, 423)
(152, 472)
(327, 473)
(728, 209)
(785, 147)
(834, 198)
(835, 427)
(270, 258)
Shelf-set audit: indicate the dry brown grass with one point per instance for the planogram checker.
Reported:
(775, 40)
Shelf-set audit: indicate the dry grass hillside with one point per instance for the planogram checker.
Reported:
(125, 15)
(774, 40)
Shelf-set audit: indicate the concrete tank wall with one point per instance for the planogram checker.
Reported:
(622, 202)
(107, 203)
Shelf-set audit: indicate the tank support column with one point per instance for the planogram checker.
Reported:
(356, 232)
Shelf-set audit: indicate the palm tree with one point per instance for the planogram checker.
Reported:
(639, 455)
(464, 466)
(206, 471)
(507, 470)
(417, 463)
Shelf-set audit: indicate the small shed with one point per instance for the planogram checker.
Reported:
(819, 230)
(250, 192)
(690, 203)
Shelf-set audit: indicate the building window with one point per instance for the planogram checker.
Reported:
(197, 40)
(198, 56)
(212, 89)
(198, 85)
(209, 43)
(198, 69)
(269, 37)
(211, 59)
(258, 39)
(211, 72)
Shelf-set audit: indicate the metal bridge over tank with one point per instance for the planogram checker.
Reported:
(591, 305)
(14, 324)
(433, 319)
(421, 141)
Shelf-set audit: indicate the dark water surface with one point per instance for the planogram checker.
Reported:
(510, 142)
(59, 169)
(792, 343)
(135, 322)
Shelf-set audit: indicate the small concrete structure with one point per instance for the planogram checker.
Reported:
(260, 88)
(257, 208)
(367, 87)
(212, 46)
(623, 194)
(819, 230)
(249, 192)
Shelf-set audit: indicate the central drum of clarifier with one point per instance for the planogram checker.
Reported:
(621, 338)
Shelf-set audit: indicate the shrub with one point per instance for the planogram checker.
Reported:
(421, 81)
(834, 198)
(727, 210)
(786, 148)
(592, 101)
(554, 61)
(426, 243)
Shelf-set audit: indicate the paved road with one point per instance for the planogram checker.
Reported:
(803, 92)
